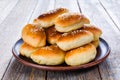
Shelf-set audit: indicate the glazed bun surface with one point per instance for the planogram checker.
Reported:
(95, 30)
(81, 55)
(74, 39)
(49, 55)
(52, 35)
(60, 36)
(47, 19)
(96, 43)
(70, 21)
(34, 36)
(26, 50)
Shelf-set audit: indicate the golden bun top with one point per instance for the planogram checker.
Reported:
(68, 19)
(52, 32)
(92, 28)
(81, 50)
(73, 35)
(33, 31)
(27, 47)
(48, 55)
(33, 35)
(26, 50)
(52, 14)
(81, 55)
(52, 35)
(48, 51)
(95, 30)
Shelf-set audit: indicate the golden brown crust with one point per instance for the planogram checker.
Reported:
(47, 51)
(79, 50)
(95, 43)
(52, 14)
(52, 35)
(34, 36)
(81, 55)
(74, 39)
(68, 19)
(26, 50)
(95, 30)
(47, 19)
(73, 35)
(49, 55)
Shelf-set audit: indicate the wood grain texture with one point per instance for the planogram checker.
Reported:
(102, 13)
(10, 30)
(5, 8)
(86, 74)
(24, 72)
(71, 5)
(17, 71)
(109, 69)
(112, 8)
(49, 5)
(73, 75)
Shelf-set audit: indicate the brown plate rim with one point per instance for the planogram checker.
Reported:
(59, 67)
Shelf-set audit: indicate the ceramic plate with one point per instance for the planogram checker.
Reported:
(103, 51)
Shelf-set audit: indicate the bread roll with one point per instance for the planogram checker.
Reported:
(27, 50)
(52, 35)
(49, 55)
(96, 31)
(95, 43)
(74, 39)
(80, 55)
(47, 19)
(34, 36)
(70, 21)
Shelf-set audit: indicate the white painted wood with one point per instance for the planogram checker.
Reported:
(23, 72)
(26, 10)
(75, 75)
(5, 8)
(105, 15)
(70, 4)
(113, 9)
(109, 69)
(10, 30)
(49, 5)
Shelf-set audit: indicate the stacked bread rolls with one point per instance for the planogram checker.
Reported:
(60, 36)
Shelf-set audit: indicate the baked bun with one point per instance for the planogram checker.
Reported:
(49, 55)
(26, 50)
(80, 55)
(47, 19)
(95, 43)
(70, 21)
(74, 39)
(34, 36)
(96, 31)
(52, 35)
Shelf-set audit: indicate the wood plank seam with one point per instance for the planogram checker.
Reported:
(79, 6)
(12, 56)
(32, 12)
(109, 15)
(97, 65)
(6, 68)
(99, 72)
(46, 75)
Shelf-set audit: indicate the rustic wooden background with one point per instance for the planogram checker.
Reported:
(14, 14)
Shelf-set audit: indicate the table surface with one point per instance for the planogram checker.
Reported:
(14, 14)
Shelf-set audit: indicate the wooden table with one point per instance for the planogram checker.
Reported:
(14, 14)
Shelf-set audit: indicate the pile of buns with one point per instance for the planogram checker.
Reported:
(60, 36)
